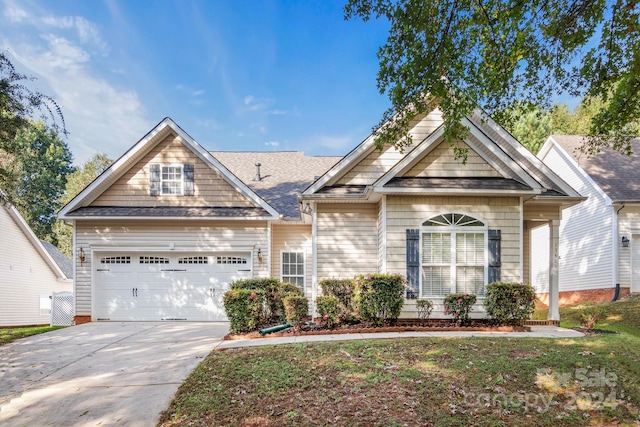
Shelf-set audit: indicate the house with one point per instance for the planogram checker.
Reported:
(164, 230)
(30, 271)
(599, 238)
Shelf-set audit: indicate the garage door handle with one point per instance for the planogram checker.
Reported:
(244, 270)
(173, 269)
(134, 292)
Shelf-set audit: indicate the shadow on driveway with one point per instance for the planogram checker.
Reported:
(102, 373)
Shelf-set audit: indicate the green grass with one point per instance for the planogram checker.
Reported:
(419, 382)
(8, 335)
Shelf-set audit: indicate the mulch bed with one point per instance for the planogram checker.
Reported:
(364, 329)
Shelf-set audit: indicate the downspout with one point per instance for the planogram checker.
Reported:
(616, 252)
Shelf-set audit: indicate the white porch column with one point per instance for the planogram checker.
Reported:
(554, 261)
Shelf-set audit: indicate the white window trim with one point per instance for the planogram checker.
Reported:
(304, 267)
(172, 165)
(453, 230)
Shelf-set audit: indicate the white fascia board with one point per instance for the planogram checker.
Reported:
(425, 146)
(175, 218)
(501, 154)
(35, 242)
(544, 169)
(568, 158)
(457, 192)
(342, 166)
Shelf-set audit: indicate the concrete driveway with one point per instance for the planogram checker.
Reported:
(103, 374)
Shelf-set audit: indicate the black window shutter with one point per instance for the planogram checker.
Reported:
(154, 179)
(188, 179)
(413, 262)
(494, 256)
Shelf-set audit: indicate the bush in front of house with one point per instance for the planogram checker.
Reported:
(589, 316)
(244, 308)
(380, 297)
(274, 294)
(459, 306)
(424, 308)
(509, 303)
(344, 291)
(328, 307)
(296, 308)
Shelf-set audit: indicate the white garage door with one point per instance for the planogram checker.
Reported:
(165, 286)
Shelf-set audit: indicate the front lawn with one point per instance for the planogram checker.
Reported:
(419, 382)
(8, 335)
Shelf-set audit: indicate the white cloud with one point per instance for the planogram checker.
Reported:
(99, 115)
(272, 143)
(334, 142)
(257, 104)
(14, 13)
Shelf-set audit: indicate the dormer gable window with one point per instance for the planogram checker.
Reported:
(171, 179)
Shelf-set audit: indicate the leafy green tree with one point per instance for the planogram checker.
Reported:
(491, 53)
(40, 164)
(76, 182)
(529, 125)
(18, 105)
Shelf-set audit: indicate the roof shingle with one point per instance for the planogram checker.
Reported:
(617, 174)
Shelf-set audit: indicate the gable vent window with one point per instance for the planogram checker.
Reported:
(153, 260)
(194, 260)
(230, 260)
(167, 180)
(116, 260)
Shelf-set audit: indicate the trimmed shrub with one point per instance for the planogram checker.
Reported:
(509, 303)
(424, 307)
(328, 307)
(296, 308)
(589, 316)
(459, 306)
(244, 309)
(344, 291)
(274, 294)
(380, 297)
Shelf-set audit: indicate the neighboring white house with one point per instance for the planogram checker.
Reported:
(30, 270)
(599, 238)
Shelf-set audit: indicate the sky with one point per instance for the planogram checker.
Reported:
(236, 75)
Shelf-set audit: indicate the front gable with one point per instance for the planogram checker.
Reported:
(134, 187)
(168, 175)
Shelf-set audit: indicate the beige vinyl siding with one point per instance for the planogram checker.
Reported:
(629, 226)
(206, 236)
(500, 213)
(210, 189)
(24, 277)
(441, 162)
(586, 232)
(377, 163)
(292, 238)
(347, 240)
(382, 252)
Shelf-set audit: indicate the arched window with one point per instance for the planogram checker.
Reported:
(453, 255)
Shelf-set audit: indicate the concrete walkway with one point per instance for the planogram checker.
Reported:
(107, 374)
(536, 332)
(125, 374)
